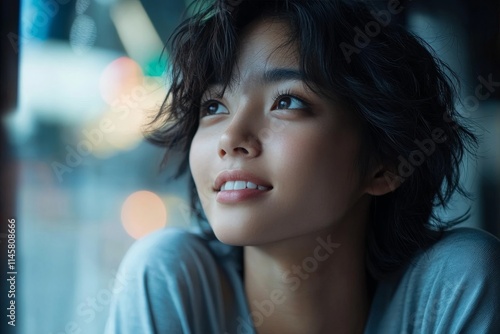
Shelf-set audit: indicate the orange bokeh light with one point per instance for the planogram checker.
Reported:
(142, 213)
(119, 79)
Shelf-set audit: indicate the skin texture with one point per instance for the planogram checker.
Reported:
(307, 153)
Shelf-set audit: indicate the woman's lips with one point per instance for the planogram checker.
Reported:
(237, 185)
(236, 196)
(239, 179)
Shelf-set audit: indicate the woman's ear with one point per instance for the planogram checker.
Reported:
(383, 181)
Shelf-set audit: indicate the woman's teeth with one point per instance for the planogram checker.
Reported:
(240, 185)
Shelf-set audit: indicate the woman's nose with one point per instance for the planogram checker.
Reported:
(240, 138)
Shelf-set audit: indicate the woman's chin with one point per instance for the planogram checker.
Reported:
(240, 235)
(234, 238)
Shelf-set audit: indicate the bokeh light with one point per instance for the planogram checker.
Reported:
(126, 130)
(119, 80)
(142, 213)
(121, 127)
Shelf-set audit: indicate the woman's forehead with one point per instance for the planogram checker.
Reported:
(266, 55)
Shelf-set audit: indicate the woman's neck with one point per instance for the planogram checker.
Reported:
(311, 284)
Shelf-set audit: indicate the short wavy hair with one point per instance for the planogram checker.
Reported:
(403, 95)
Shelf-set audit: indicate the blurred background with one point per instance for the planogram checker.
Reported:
(79, 77)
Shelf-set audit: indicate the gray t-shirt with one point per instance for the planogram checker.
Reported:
(174, 284)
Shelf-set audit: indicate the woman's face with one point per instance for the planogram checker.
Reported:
(270, 131)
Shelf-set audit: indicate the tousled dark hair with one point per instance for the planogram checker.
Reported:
(389, 78)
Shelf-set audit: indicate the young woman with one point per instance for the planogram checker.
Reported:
(320, 136)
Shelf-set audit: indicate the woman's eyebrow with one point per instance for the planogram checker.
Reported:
(281, 74)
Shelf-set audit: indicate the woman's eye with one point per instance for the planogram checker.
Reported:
(213, 108)
(289, 102)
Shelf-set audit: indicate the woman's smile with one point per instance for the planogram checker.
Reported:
(234, 186)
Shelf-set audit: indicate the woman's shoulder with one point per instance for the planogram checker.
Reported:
(172, 277)
(452, 287)
(167, 244)
(471, 239)
(172, 247)
(461, 251)
(463, 260)
(169, 237)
